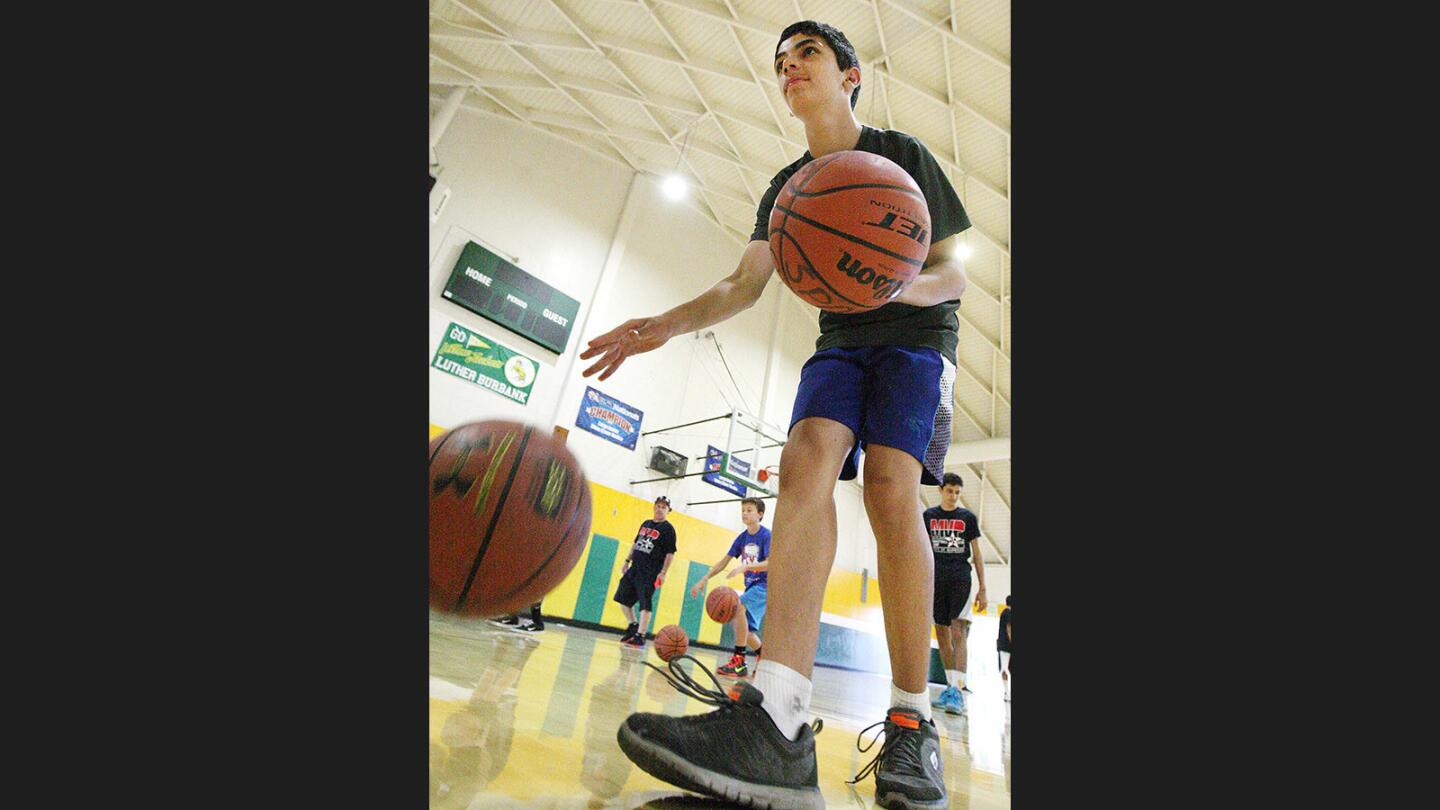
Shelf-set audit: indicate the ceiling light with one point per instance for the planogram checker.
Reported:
(674, 186)
(963, 251)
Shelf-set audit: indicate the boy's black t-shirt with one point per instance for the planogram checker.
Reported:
(893, 324)
(1003, 642)
(652, 543)
(951, 534)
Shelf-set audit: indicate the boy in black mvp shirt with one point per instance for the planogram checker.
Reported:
(878, 381)
(645, 569)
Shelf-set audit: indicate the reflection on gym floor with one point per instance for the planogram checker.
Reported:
(529, 721)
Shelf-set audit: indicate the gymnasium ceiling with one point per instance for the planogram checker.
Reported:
(666, 85)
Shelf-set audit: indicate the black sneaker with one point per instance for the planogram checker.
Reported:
(629, 632)
(908, 770)
(532, 628)
(734, 752)
(507, 621)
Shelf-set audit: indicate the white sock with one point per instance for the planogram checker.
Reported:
(787, 696)
(960, 679)
(919, 701)
(954, 676)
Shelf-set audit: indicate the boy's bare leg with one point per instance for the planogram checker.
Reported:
(960, 641)
(803, 547)
(947, 650)
(892, 485)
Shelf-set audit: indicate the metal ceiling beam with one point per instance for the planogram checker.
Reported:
(933, 97)
(680, 51)
(547, 40)
(544, 39)
(996, 449)
(764, 96)
(680, 151)
(748, 22)
(615, 157)
(986, 483)
(960, 406)
(952, 33)
(885, 49)
(472, 105)
(458, 64)
(767, 28)
(987, 388)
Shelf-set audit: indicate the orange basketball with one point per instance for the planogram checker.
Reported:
(722, 603)
(849, 231)
(509, 517)
(671, 642)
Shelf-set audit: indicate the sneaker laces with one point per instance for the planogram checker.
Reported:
(893, 742)
(688, 686)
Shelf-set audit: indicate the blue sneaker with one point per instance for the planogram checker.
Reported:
(939, 701)
(950, 700)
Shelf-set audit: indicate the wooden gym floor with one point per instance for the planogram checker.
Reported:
(529, 721)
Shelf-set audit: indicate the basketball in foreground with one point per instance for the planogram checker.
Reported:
(721, 604)
(849, 231)
(671, 642)
(509, 517)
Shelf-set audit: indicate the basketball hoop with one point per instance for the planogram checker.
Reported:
(766, 472)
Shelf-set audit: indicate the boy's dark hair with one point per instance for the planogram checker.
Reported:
(952, 478)
(755, 502)
(844, 52)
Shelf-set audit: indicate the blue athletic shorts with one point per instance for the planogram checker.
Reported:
(898, 396)
(754, 601)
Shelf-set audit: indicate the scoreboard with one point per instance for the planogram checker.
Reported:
(493, 288)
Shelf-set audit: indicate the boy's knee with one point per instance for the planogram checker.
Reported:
(888, 492)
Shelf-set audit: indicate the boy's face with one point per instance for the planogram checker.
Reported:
(809, 74)
(749, 515)
(661, 510)
(949, 495)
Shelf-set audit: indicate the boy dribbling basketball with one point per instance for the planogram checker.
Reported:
(752, 549)
(878, 382)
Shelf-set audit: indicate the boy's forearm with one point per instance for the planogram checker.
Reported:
(938, 283)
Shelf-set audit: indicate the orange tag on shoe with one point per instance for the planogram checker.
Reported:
(904, 720)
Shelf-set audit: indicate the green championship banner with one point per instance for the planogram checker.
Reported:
(485, 363)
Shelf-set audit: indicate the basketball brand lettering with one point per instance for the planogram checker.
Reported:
(884, 286)
(906, 227)
(553, 492)
(455, 475)
(494, 465)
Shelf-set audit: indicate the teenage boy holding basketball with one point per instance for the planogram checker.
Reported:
(879, 381)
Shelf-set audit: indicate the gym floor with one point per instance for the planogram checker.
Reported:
(529, 721)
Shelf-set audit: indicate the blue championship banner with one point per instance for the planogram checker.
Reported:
(609, 418)
(713, 455)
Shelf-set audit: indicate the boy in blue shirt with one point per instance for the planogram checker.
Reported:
(752, 549)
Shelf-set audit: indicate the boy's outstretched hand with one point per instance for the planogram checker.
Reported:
(635, 336)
